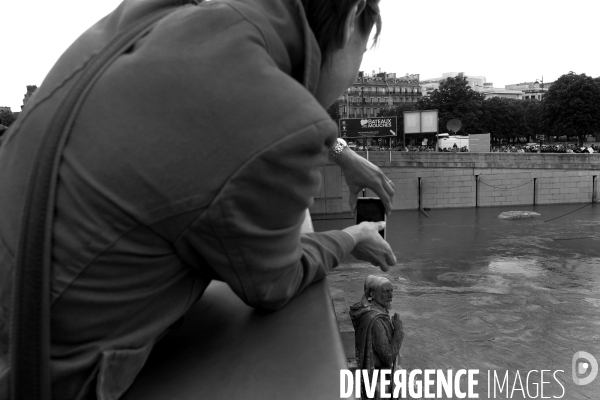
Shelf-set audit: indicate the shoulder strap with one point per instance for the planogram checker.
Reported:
(30, 321)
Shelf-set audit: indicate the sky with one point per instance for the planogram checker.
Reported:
(508, 41)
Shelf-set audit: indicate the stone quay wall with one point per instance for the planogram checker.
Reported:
(446, 180)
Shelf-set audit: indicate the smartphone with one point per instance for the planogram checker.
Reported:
(371, 209)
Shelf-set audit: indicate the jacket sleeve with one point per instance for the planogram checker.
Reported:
(250, 234)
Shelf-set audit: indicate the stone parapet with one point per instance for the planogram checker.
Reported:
(484, 160)
(472, 179)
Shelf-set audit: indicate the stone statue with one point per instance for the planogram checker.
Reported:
(378, 337)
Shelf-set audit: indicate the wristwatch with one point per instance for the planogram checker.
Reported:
(337, 149)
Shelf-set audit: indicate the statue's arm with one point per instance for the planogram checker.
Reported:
(386, 349)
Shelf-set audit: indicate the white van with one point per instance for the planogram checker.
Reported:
(445, 141)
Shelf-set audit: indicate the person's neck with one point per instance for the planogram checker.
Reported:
(378, 307)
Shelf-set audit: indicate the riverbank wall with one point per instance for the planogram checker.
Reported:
(447, 180)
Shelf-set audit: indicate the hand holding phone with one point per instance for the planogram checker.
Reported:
(371, 209)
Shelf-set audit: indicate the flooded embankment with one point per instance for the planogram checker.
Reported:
(477, 292)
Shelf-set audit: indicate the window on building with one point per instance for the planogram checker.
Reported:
(372, 99)
(385, 99)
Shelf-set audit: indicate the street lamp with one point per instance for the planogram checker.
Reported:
(347, 99)
(542, 87)
(362, 102)
(541, 105)
(362, 115)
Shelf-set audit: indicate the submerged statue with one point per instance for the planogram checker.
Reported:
(378, 337)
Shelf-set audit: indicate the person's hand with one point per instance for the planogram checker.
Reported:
(370, 246)
(397, 323)
(360, 173)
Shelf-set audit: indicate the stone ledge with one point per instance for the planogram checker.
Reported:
(489, 165)
(342, 315)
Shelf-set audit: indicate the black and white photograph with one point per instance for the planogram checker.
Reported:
(299, 199)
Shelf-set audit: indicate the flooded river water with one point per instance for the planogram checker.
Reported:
(476, 292)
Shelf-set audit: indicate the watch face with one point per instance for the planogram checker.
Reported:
(342, 142)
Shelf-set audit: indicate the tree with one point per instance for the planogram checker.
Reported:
(455, 99)
(334, 112)
(571, 106)
(6, 117)
(532, 110)
(504, 118)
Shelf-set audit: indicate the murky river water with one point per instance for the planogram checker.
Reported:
(476, 292)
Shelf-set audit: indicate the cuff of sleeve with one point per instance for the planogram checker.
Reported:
(351, 243)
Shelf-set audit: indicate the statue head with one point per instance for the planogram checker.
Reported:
(378, 290)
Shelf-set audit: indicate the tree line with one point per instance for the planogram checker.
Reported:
(6, 117)
(570, 107)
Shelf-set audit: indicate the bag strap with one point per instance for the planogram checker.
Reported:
(30, 321)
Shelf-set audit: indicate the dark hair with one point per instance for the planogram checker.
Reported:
(326, 19)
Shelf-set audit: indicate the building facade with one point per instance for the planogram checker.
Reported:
(30, 90)
(531, 90)
(477, 83)
(504, 93)
(369, 95)
(524, 90)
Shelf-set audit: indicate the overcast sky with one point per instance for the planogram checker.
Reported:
(508, 41)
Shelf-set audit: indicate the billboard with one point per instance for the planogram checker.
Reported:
(479, 143)
(368, 127)
(421, 121)
(412, 122)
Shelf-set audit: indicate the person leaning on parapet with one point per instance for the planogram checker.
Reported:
(194, 157)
